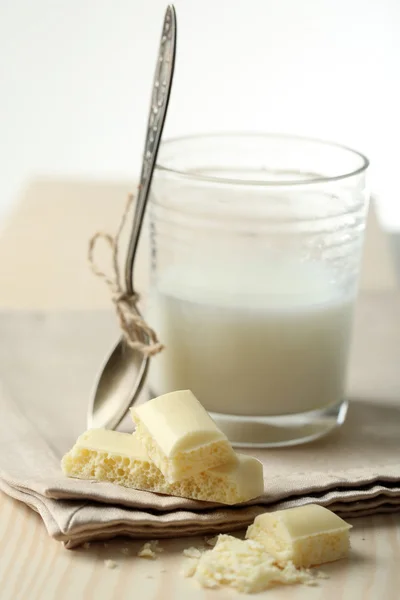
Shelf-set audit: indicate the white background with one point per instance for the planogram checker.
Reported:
(75, 79)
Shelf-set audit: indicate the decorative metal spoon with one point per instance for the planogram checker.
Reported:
(124, 372)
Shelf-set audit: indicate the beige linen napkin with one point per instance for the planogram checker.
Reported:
(47, 365)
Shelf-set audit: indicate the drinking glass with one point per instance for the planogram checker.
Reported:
(256, 243)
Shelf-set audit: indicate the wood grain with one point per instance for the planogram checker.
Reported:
(42, 266)
(34, 567)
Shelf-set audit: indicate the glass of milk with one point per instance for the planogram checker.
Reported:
(256, 243)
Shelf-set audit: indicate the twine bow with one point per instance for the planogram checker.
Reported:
(134, 327)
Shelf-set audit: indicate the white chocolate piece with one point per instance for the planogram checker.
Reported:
(179, 436)
(104, 455)
(150, 550)
(306, 535)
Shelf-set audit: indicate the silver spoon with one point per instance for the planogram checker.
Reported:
(124, 372)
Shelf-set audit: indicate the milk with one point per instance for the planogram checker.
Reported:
(249, 341)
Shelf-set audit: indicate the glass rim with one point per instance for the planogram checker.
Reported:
(257, 182)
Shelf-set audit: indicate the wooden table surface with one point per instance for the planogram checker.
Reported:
(43, 266)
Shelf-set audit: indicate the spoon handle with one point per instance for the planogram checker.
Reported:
(158, 109)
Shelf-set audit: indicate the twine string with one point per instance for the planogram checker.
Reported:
(137, 333)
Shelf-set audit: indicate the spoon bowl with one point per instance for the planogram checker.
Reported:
(122, 375)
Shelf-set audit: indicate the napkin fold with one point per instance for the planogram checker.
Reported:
(48, 362)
